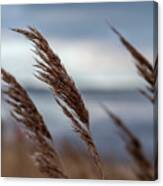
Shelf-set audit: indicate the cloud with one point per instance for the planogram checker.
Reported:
(83, 20)
(77, 32)
(92, 64)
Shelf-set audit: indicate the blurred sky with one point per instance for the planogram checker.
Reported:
(78, 33)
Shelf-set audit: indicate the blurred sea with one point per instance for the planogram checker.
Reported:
(131, 106)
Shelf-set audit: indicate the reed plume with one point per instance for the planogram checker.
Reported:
(51, 71)
(156, 78)
(133, 146)
(156, 118)
(31, 122)
(144, 67)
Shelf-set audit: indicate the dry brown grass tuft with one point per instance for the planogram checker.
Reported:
(134, 148)
(31, 121)
(52, 72)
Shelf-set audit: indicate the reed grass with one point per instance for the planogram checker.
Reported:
(51, 71)
(149, 73)
(133, 146)
(31, 122)
(144, 67)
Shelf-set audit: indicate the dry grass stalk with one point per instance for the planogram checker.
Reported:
(25, 112)
(134, 147)
(144, 67)
(52, 72)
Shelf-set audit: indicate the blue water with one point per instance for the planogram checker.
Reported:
(131, 106)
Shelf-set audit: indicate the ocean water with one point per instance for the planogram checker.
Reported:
(135, 110)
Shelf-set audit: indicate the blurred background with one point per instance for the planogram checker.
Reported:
(102, 69)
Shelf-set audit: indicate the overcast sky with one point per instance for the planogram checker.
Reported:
(78, 33)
